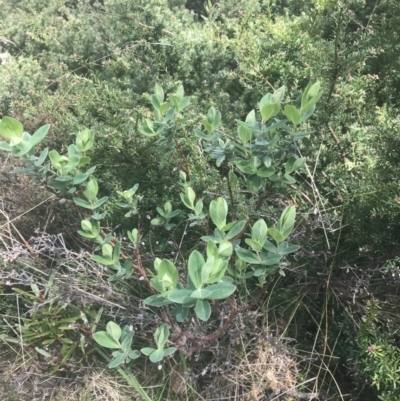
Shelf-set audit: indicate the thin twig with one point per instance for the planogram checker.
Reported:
(216, 334)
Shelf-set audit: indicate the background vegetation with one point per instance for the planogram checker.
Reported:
(328, 329)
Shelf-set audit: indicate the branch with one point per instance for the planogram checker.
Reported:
(231, 198)
(186, 164)
(200, 343)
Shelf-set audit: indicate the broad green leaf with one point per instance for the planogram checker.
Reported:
(255, 162)
(167, 268)
(5, 146)
(157, 300)
(269, 111)
(99, 202)
(16, 141)
(43, 352)
(107, 251)
(289, 165)
(258, 271)
(207, 126)
(256, 246)
(73, 161)
(267, 161)
(259, 232)
(285, 248)
(244, 134)
(10, 127)
(148, 128)
(251, 127)
(188, 198)
(236, 229)
(63, 178)
(116, 251)
(199, 207)
(247, 256)
(180, 93)
(265, 100)
(55, 158)
(105, 340)
(73, 150)
(221, 290)
(214, 117)
(92, 189)
(278, 95)
(294, 163)
(182, 313)
(265, 171)
(305, 116)
(218, 212)
(212, 249)
(270, 259)
(240, 264)
(276, 235)
(84, 140)
(225, 249)
(195, 265)
(179, 296)
(300, 162)
(118, 359)
(159, 92)
(292, 114)
(157, 263)
(254, 182)
(246, 167)
(157, 356)
(39, 135)
(286, 221)
(202, 135)
(86, 235)
(114, 330)
(288, 179)
(161, 336)
(134, 354)
(133, 236)
(169, 351)
(251, 118)
(313, 90)
(156, 104)
(22, 170)
(82, 203)
(270, 247)
(220, 158)
(21, 149)
(206, 270)
(203, 310)
(233, 180)
(78, 179)
(182, 104)
(227, 227)
(102, 260)
(311, 102)
(147, 351)
(218, 271)
(86, 225)
(200, 294)
(304, 96)
(158, 284)
(55, 184)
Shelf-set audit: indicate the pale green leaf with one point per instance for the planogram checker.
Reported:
(203, 310)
